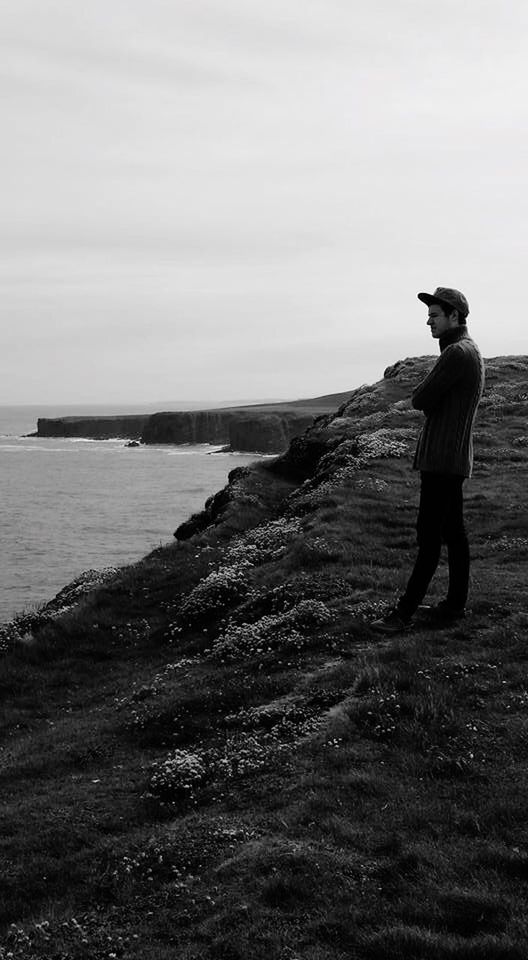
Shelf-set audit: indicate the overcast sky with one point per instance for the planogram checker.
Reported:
(230, 199)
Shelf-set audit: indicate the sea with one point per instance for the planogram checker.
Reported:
(67, 506)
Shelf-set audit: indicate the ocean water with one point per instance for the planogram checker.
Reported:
(71, 505)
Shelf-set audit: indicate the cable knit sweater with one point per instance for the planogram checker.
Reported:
(449, 396)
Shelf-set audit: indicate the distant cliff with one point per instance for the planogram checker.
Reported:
(267, 433)
(199, 426)
(93, 428)
(262, 428)
(239, 429)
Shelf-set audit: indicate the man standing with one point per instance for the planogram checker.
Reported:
(448, 396)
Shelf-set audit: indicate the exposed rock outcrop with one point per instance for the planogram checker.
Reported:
(266, 433)
(200, 426)
(247, 497)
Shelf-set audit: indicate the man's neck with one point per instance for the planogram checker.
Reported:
(452, 335)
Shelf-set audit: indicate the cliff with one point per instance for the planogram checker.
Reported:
(202, 426)
(259, 431)
(209, 754)
(262, 428)
(128, 427)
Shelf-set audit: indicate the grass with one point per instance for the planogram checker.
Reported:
(314, 791)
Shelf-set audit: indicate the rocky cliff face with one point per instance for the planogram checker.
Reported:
(267, 433)
(200, 426)
(258, 431)
(93, 428)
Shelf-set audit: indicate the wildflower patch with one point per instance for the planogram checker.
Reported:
(84, 937)
(10, 634)
(181, 778)
(22, 629)
(130, 633)
(76, 590)
(342, 465)
(230, 584)
(265, 543)
(220, 589)
(177, 778)
(288, 719)
(288, 631)
(384, 443)
(509, 543)
(178, 859)
(376, 484)
(379, 714)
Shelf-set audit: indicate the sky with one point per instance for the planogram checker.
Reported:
(231, 199)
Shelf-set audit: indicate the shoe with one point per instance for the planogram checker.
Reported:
(443, 612)
(392, 623)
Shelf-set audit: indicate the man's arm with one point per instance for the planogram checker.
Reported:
(448, 369)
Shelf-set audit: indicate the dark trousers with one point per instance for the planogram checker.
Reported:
(440, 520)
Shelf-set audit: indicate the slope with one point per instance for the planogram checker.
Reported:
(209, 755)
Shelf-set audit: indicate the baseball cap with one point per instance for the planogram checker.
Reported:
(446, 295)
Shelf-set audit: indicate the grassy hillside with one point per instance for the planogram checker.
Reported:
(327, 403)
(209, 756)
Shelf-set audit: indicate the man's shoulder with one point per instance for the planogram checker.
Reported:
(471, 362)
(465, 347)
(472, 350)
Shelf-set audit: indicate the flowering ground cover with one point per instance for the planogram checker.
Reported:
(210, 756)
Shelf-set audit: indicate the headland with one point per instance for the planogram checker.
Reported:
(259, 428)
(209, 754)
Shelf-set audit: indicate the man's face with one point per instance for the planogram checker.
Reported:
(441, 322)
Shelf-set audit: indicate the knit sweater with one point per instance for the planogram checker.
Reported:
(449, 396)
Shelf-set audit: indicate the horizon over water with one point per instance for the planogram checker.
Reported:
(69, 505)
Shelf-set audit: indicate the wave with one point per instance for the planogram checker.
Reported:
(22, 448)
(115, 440)
(186, 450)
(72, 444)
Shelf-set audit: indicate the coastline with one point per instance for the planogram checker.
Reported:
(70, 504)
(257, 428)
